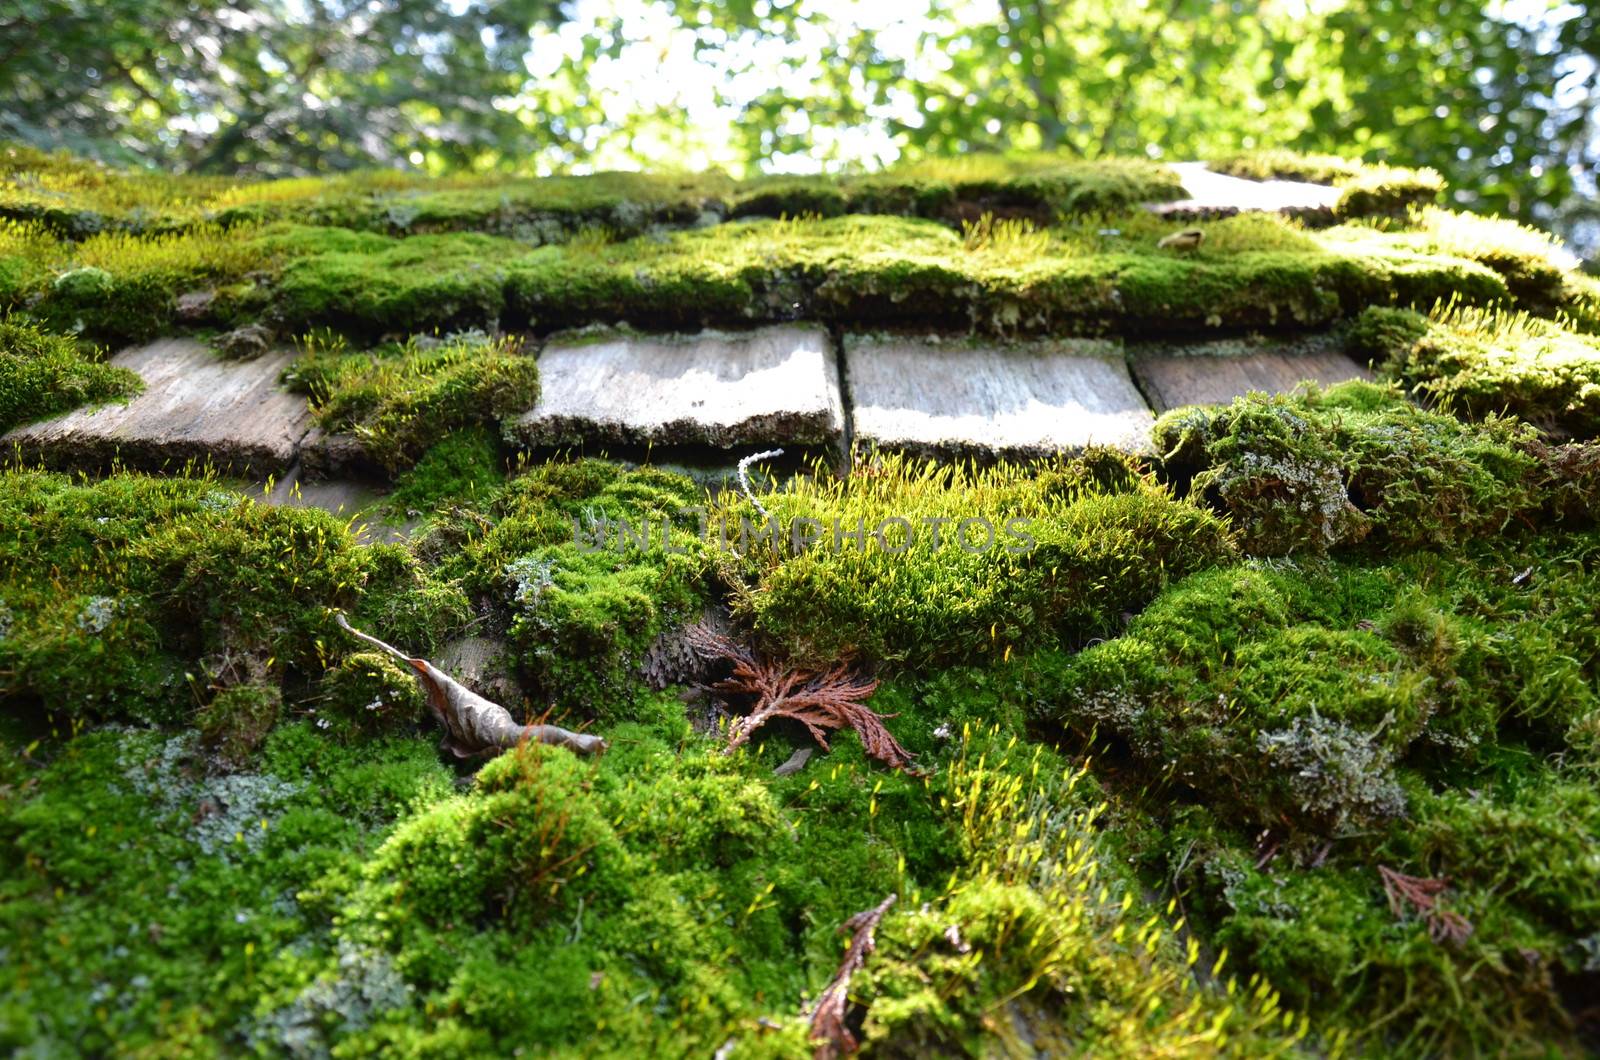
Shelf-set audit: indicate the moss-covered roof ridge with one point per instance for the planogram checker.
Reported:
(989, 244)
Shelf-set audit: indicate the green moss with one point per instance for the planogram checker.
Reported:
(426, 283)
(1040, 186)
(669, 896)
(379, 254)
(464, 468)
(77, 198)
(1005, 276)
(573, 564)
(237, 719)
(1537, 271)
(43, 375)
(399, 402)
(1581, 302)
(919, 564)
(1047, 935)
(535, 211)
(1476, 364)
(664, 893)
(866, 270)
(1425, 713)
(1512, 856)
(118, 287)
(158, 904)
(1235, 669)
(500, 853)
(116, 589)
(369, 693)
(1329, 468)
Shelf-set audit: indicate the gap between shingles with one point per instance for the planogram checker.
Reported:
(846, 403)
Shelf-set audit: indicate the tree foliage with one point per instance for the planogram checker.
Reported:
(1500, 98)
(1502, 104)
(275, 87)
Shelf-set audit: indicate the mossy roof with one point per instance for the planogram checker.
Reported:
(1324, 644)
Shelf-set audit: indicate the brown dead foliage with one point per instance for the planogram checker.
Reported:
(823, 701)
(828, 1027)
(1422, 895)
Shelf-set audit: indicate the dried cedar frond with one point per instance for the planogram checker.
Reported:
(1422, 894)
(823, 701)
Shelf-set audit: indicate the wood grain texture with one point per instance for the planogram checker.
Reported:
(967, 399)
(1216, 373)
(195, 406)
(773, 386)
(355, 502)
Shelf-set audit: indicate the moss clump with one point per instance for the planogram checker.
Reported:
(1329, 468)
(664, 870)
(1042, 933)
(25, 253)
(118, 287)
(1536, 270)
(922, 563)
(1327, 937)
(161, 901)
(238, 719)
(573, 564)
(501, 853)
(369, 693)
(78, 197)
(385, 286)
(388, 254)
(43, 375)
(116, 589)
(558, 893)
(1476, 363)
(400, 401)
(1331, 717)
(463, 468)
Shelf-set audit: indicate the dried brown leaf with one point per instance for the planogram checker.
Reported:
(1421, 894)
(473, 725)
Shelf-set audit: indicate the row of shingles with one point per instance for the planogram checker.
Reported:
(722, 392)
(783, 386)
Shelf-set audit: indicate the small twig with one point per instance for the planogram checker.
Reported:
(827, 1019)
(345, 625)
